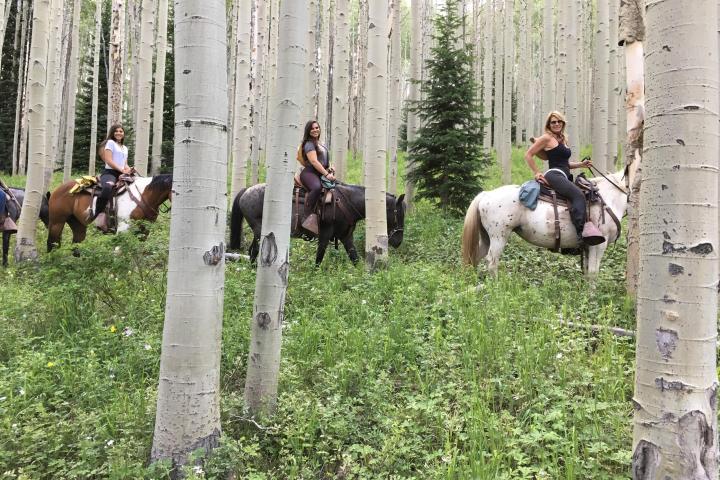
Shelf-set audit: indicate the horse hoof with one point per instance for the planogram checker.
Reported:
(76, 252)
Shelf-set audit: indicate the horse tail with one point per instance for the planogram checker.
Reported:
(236, 218)
(475, 240)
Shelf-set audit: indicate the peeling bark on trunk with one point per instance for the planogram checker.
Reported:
(675, 428)
(261, 381)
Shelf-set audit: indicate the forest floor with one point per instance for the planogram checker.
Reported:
(410, 372)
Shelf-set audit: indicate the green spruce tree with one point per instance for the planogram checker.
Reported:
(447, 157)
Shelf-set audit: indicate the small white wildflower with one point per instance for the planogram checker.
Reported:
(197, 470)
(21, 391)
(364, 302)
(112, 375)
(127, 331)
(558, 356)
(2, 399)
(147, 347)
(110, 443)
(14, 426)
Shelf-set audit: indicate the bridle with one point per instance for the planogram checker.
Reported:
(396, 229)
(627, 193)
(149, 212)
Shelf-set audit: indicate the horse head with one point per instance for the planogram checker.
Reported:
(152, 196)
(395, 219)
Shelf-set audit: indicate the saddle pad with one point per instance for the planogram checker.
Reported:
(561, 201)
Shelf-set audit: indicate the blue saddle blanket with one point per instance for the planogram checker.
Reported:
(529, 194)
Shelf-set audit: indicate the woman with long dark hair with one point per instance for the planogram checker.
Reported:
(317, 165)
(114, 153)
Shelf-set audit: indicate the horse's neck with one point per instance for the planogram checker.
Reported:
(611, 194)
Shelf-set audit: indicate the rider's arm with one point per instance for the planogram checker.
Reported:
(107, 157)
(534, 149)
(312, 158)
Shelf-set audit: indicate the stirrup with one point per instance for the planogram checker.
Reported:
(591, 235)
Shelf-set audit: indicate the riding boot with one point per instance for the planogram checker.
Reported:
(101, 222)
(7, 224)
(591, 235)
(311, 224)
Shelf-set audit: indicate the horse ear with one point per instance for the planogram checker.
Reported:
(400, 199)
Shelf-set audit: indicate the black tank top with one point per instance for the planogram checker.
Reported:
(559, 157)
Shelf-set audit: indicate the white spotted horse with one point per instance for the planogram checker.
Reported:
(337, 220)
(493, 215)
(141, 199)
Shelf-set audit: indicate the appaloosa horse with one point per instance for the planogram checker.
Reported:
(141, 200)
(493, 215)
(338, 221)
(14, 212)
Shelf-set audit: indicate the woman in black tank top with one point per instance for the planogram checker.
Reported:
(552, 145)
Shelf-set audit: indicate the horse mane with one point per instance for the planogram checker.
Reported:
(161, 182)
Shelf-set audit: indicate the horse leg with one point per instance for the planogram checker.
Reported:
(591, 265)
(497, 245)
(79, 231)
(323, 240)
(5, 248)
(254, 249)
(349, 245)
(54, 235)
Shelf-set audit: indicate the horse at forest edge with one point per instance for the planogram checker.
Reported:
(336, 223)
(14, 212)
(493, 215)
(141, 200)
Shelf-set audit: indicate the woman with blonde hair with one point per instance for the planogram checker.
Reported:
(553, 145)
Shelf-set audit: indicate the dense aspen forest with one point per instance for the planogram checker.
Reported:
(359, 239)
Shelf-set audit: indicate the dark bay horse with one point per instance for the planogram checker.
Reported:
(141, 200)
(337, 222)
(14, 211)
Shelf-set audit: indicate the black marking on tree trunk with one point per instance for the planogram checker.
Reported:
(263, 320)
(645, 460)
(692, 107)
(268, 250)
(680, 142)
(663, 385)
(215, 255)
(666, 236)
(672, 248)
(666, 341)
(675, 269)
(713, 397)
(704, 248)
(283, 273)
(697, 446)
(186, 71)
(667, 299)
(666, 48)
(675, 168)
(664, 187)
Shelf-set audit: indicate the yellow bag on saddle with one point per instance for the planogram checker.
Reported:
(82, 183)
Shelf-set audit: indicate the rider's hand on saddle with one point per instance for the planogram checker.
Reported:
(539, 177)
(330, 176)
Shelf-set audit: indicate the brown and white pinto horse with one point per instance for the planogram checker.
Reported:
(141, 200)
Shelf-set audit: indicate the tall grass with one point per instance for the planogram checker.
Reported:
(423, 370)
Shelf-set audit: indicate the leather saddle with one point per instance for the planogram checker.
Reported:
(91, 185)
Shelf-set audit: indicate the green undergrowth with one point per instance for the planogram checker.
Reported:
(423, 370)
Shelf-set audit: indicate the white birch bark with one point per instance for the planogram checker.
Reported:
(4, 13)
(572, 109)
(273, 262)
(116, 54)
(25, 248)
(394, 96)
(324, 68)
(562, 52)
(631, 36)
(600, 96)
(487, 83)
(55, 81)
(499, 81)
(521, 87)
(72, 89)
(311, 66)
(414, 96)
(675, 422)
(531, 73)
(22, 87)
(376, 239)
(159, 94)
(24, 116)
(188, 405)
(258, 90)
(508, 71)
(548, 90)
(242, 128)
(144, 88)
(613, 87)
(341, 88)
(95, 88)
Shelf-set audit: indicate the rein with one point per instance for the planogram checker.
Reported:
(611, 182)
(152, 215)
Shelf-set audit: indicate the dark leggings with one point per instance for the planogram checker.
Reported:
(569, 190)
(311, 180)
(107, 182)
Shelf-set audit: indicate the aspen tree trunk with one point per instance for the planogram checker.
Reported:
(324, 70)
(394, 95)
(24, 114)
(527, 120)
(159, 95)
(562, 47)
(499, 83)
(360, 149)
(631, 37)
(571, 85)
(414, 96)
(72, 88)
(188, 404)
(241, 123)
(613, 89)
(521, 87)
(675, 426)
(548, 60)
(341, 88)
(311, 67)
(116, 53)
(487, 83)
(95, 87)
(22, 86)
(581, 72)
(258, 90)
(270, 78)
(53, 90)
(5, 12)
(273, 262)
(508, 70)
(132, 42)
(144, 89)
(376, 239)
(600, 107)
(25, 248)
